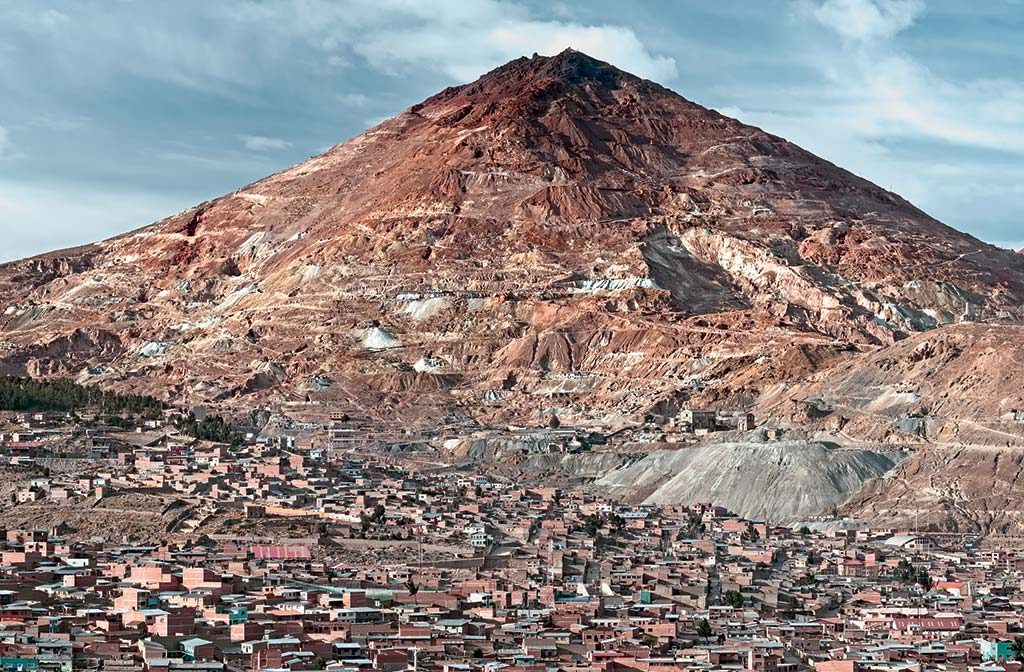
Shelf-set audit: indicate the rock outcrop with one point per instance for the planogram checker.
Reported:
(946, 488)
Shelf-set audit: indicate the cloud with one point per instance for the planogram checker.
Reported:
(863, 20)
(6, 147)
(880, 92)
(503, 42)
(175, 44)
(260, 143)
(59, 123)
(52, 19)
(946, 141)
(461, 40)
(463, 45)
(230, 47)
(354, 99)
(909, 99)
(31, 19)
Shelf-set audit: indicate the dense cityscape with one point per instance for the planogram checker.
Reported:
(293, 555)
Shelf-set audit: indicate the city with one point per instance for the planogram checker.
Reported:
(304, 558)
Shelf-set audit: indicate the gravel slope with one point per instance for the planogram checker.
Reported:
(781, 482)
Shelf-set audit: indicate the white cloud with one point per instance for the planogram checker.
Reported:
(231, 46)
(948, 143)
(911, 100)
(480, 51)
(462, 40)
(354, 99)
(7, 148)
(52, 19)
(464, 45)
(31, 19)
(260, 143)
(868, 19)
(877, 91)
(59, 123)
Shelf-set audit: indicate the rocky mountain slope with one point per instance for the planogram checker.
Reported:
(557, 237)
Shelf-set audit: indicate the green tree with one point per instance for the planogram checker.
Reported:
(592, 524)
(734, 599)
(905, 572)
(703, 629)
(210, 428)
(371, 518)
(29, 394)
(1017, 648)
(694, 527)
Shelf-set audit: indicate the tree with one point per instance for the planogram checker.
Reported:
(695, 526)
(371, 518)
(1017, 648)
(905, 572)
(554, 422)
(703, 629)
(211, 428)
(592, 524)
(734, 599)
(27, 394)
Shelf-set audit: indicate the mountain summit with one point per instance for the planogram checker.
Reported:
(557, 236)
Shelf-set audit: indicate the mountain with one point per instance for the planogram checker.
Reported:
(558, 236)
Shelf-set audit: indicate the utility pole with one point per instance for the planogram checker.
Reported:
(551, 562)
(419, 572)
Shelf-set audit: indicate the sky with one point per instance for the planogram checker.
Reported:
(116, 113)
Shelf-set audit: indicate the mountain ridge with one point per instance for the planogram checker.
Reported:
(556, 238)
